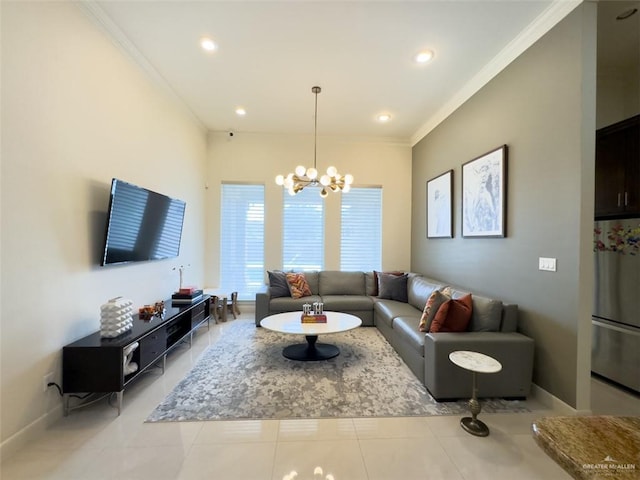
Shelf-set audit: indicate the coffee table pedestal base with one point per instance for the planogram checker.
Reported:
(311, 351)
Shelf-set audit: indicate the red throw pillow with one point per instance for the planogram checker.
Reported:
(453, 315)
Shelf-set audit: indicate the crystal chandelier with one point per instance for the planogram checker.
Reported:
(303, 177)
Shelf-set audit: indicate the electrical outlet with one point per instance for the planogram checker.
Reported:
(46, 380)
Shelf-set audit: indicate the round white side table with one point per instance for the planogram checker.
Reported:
(477, 363)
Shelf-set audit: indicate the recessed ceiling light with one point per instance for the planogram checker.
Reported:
(627, 13)
(384, 117)
(424, 56)
(208, 44)
(241, 111)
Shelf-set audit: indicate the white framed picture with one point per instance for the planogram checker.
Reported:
(440, 206)
(484, 195)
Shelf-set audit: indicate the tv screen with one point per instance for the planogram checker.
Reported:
(141, 225)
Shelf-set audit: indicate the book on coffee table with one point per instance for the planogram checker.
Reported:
(313, 318)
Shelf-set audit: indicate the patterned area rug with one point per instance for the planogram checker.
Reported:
(244, 376)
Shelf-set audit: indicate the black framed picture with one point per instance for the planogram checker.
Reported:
(440, 206)
(484, 195)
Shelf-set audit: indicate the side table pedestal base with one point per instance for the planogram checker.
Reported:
(474, 426)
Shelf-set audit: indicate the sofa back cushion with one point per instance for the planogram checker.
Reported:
(371, 283)
(313, 280)
(341, 283)
(419, 289)
(486, 315)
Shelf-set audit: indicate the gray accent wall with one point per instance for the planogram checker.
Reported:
(543, 107)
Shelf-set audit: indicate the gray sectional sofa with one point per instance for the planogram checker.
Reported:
(492, 331)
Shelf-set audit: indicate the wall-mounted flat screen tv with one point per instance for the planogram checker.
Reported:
(141, 225)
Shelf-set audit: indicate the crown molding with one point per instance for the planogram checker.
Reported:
(552, 15)
(120, 40)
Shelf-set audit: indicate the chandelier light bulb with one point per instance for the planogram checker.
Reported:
(348, 179)
(346, 188)
(300, 171)
(325, 180)
(288, 182)
(292, 192)
(323, 193)
(312, 173)
(332, 171)
(279, 180)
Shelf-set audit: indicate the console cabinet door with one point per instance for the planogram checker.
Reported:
(152, 346)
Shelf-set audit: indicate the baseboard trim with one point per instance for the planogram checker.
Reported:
(552, 402)
(21, 438)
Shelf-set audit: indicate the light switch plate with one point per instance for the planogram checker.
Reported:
(547, 264)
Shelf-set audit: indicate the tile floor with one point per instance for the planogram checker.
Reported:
(94, 443)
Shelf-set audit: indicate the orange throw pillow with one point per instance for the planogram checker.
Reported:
(453, 315)
(298, 285)
(435, 300)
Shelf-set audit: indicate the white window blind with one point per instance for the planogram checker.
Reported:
(242, 239)
(361, 233)
(303, 231)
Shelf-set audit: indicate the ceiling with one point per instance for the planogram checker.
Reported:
(361, 53)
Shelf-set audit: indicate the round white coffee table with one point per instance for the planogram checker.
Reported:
(290, 323)
(476, 363)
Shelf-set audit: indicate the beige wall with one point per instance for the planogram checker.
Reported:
(543, 107)
(251, 157)
(75, 113)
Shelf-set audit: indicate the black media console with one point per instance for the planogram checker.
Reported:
(96, 365)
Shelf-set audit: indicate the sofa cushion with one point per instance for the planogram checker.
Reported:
(392, 287)
(312, 280)
(387, 310)
(343, 303)
(278, 285)
(341, 283)
(406, 328)
(436, 299)
(288, 304)
(419, 289)
(453, 315)
(298, 285)
(371, 284)
(486, 315)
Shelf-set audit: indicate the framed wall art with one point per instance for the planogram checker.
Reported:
(484, 195)
(440, 206)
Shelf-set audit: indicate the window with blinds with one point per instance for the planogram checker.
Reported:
(361, 233)
(242, 239)
(303, 231)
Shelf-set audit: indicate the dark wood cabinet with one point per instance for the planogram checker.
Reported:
(96, 365)
(617, 188)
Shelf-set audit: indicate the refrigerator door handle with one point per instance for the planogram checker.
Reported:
(626, 331)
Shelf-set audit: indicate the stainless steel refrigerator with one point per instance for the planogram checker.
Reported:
(615, 350)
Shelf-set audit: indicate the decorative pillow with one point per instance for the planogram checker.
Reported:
(393, 287)
(435, 300)
(376, 281)
(278, 285)
(298, 285)
(453, 315)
